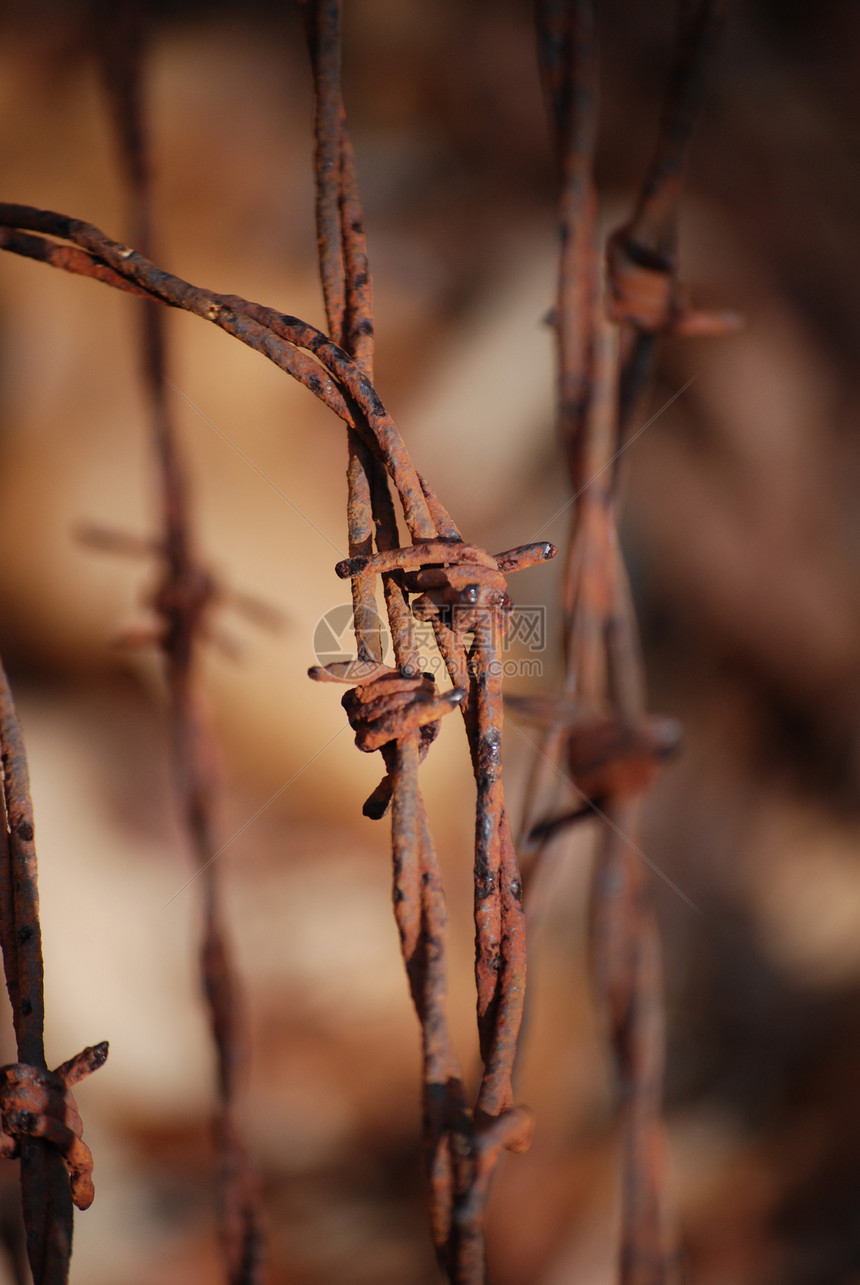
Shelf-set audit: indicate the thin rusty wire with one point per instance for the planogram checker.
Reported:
(462, 1146)
(38, 1115)
(183, 604)
(598, 739)
(567, 58)
(645, 293)
(347, 289)
(384, 709)
(461, 591)
(603, 667)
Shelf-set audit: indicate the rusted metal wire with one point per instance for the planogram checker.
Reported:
(611, 751)
(39, 1119)
(461, 589)
(37, 1104)
(183, 604)
(567, 56)
(623, 934)
(395, 711)
(297, 347)
(598, 738)
(345, 276)
(645, 293)
(389, 709)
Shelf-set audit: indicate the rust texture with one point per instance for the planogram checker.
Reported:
(646, 295)
(612, 304)
(610, 307)
(39, 1119)
(598, 739)
(183, 606)
(458, 587)
(346, 283)
(462, 591)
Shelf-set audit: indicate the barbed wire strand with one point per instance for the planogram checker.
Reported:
(46, 1193)
(417, 887)
(466, 601)
(646, 296)
(603, 368)
(567, 60)
(458, 1162)
(183, 603)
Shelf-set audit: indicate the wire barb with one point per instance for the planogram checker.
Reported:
(183, 603)
(597, 725)
(39, 1118)
(460, 588)
(36, 1103)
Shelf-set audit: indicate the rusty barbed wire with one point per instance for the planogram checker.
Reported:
(462, 1145)
(461, 590)
(567, 59)
(645, 295)
(463, 593)
(37, 1104)
(39, 1119)
(385, 708)
(295, 346)
(183, 605)
(598, 739)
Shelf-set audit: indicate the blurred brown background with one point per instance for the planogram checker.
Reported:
(743, 534)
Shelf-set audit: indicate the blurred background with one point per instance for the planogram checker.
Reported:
(743, 536)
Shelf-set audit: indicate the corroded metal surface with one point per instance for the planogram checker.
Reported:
(610, 754)
(599, 739)
(645, 293)
(460, 1160)
(461, 589)
(38, 1104)
(38, 1116)
(183, 605)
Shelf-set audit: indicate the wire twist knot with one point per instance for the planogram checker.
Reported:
(393, 705)
(386, 706)
(645, 292)
(38, 1103)
(458, 584)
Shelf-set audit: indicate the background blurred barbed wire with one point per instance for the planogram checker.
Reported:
(741, 530)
